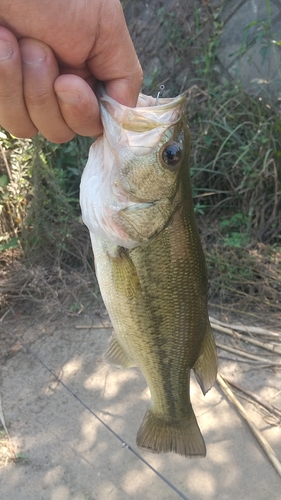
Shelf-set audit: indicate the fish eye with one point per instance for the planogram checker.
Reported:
(171, 155)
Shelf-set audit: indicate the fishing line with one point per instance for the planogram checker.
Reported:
(124, 444)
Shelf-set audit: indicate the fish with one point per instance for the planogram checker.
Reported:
(136, 200)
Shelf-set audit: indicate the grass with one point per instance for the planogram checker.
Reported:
(15, 187)
(245, 278)
(236, 176)
(236, 164)
(46, 254)
(7, 454)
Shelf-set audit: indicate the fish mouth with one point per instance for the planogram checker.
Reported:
(149, 102)
(147, 115)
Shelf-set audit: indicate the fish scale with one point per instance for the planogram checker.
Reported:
(151, 269)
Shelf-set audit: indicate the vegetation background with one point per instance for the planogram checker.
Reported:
(45, 253)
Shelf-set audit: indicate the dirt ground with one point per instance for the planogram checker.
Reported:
(60, 451)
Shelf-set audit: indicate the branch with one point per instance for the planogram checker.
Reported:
(262, 441)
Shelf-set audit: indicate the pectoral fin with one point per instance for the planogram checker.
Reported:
(124, 275)
(115, 355)
(206, 365)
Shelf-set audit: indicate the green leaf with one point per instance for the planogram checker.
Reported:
(13, 243)
(208, 140)
(4, 180)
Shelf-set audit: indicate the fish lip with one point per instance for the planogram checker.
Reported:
(163, 102)
(146, 116)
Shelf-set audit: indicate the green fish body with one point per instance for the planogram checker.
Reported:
(136, 200)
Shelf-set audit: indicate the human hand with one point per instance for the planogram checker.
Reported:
(51, 55)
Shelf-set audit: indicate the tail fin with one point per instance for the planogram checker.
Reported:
(206, 366)
(182, 436)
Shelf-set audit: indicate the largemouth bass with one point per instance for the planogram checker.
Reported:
(136, 200)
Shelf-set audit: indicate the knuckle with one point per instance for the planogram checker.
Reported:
(139, 73)
(37, 97)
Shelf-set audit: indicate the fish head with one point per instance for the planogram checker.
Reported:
(131, 182)
(150, 144)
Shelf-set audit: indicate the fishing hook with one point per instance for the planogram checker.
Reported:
(160, 93)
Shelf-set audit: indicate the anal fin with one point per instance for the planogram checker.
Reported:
(115, 355)
(206, 366)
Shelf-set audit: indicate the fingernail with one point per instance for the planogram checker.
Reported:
(6, 49)
(32, 54)
(69, 96)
